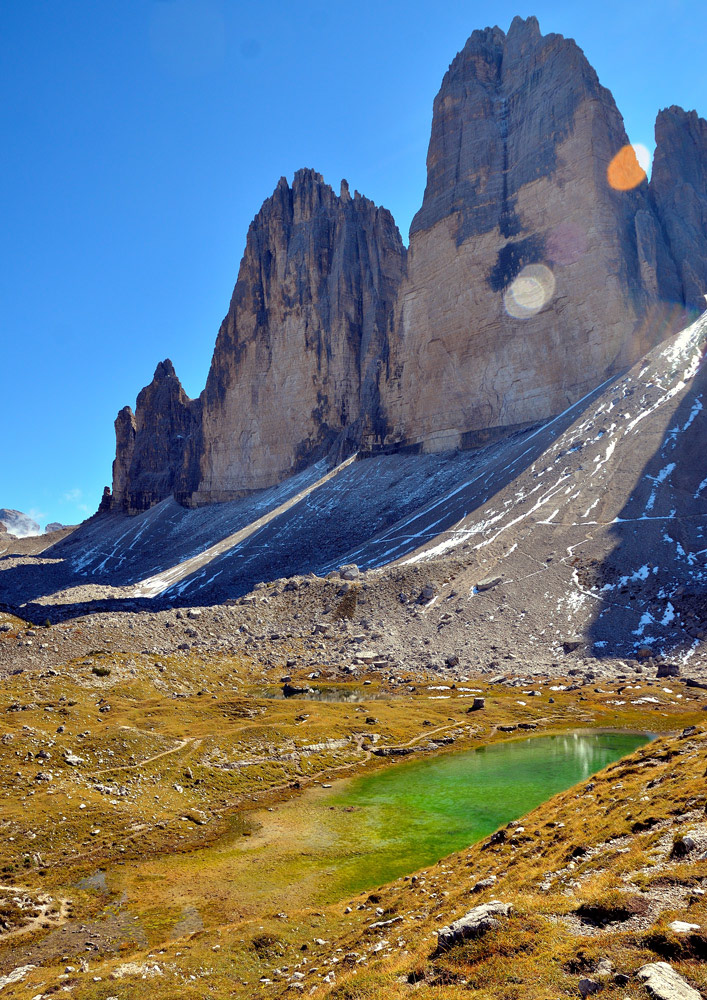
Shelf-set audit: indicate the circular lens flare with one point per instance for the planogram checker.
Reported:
(625, 171)
(529, 292)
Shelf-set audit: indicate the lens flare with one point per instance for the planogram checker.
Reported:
(529, 292)
(625, 171)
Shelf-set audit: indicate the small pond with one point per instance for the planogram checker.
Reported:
(410, 815)
(327, 843)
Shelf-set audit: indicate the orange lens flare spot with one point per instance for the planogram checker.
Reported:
(625, 172)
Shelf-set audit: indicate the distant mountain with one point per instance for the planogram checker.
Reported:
(540, 263)
(18, 524)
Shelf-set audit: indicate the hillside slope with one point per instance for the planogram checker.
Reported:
(563, 515)
(599, 885)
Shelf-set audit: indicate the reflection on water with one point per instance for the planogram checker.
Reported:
(581, 749)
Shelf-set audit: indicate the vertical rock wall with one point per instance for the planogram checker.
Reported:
(298, 360)
(154, 446)
(678, 191)
(522, 136)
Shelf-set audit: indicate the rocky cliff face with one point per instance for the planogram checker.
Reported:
(678, 190)
(297, 367)
(540, 263)
(522, 138)
(155, 445)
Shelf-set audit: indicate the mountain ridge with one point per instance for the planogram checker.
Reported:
(339, 339)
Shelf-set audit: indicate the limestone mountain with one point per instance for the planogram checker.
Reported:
(590, 527)
(299, 358)
(155, 444)
(522, 138)
(541, 263)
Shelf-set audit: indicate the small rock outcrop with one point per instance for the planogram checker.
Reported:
(54, 526)
(664, 983)
(473, 924)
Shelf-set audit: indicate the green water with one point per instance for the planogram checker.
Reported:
(410, 815)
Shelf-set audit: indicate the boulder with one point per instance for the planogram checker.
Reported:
(197, 816)
(664, 983)
(569, 645)
(290, 690)
(693, 683)
(473, 924)
(683, 846)
(588, 986)
(484, 883)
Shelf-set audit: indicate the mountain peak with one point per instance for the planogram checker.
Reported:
(532, 276)
(165, 369)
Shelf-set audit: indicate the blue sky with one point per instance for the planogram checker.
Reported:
(140, 137)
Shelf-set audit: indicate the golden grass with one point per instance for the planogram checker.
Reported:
(232, 755)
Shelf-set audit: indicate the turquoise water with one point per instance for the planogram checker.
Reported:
(410, 815)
